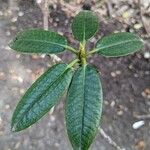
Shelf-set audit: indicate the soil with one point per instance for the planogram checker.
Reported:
(125, 80)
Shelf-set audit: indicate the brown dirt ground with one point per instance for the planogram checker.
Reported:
(125, 81)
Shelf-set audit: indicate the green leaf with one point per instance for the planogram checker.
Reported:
(83, 107)
(118, 44)
(39, 41)
(84, 25)
(41, 96)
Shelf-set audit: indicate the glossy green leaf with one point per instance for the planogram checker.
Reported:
(41, 96)
(39, 41)
(118, 44)
(84, 25)
(83, 107)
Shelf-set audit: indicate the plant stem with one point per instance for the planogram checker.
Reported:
(73, 63)
(92, 51)
(82, 54)
(71, 49)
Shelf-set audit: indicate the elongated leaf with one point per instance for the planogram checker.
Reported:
(84, 25)
(118, 44)
(39, 41)
(41, 96)
(83, 107)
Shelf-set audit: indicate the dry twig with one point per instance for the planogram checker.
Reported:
(142, 116)
(43, 4)
(109, 140)
(145, 24)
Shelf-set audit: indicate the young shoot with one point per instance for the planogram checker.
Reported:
(84, 100)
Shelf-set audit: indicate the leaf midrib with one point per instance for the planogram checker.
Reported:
(83, 109)
(64, 46)
(39, 97)
(118, 43)
(84, 28)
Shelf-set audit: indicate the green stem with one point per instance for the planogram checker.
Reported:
(71, 49)
(82, 54)
(92, 51)
(84, 61)
(73, 63)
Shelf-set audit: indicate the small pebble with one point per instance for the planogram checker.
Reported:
(120, 113)
(38, 1)
(16, 77)
(57, 19)
(35, 57)
(18, 56)
(43, 55)
(130, 66)
(125, 15)
(140, 145)
(113, 74)
(55, 24)
(7, 106)
(118, 72)
(20, 13)
(2, 76)
(28, 70)
(14, 19)
(52, 118)
(66, 22)
(55, 6)
(57, 145)
(137, 26)
(22, 91)
(138, 124)
(136, 75)
(112, 104)
(147, 55)
(146, 93)
(106, 102)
